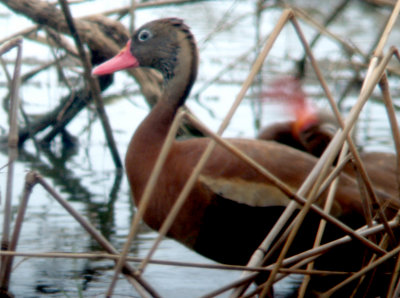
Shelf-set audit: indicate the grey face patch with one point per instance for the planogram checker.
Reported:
(167, 65)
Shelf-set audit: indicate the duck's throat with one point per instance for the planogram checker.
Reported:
(179, 79)
(177, 89)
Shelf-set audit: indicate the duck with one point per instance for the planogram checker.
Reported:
(231, 207)
(311, 129)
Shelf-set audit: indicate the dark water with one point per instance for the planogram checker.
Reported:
(87, 178)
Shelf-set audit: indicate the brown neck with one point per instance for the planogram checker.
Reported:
(177, 86)
(145, 146)
(149, 137)
(154, 128)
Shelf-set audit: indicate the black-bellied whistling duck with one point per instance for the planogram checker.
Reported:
(311, 132)
(231, 207)
(312, 129)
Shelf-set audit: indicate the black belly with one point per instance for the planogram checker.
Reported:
(230, 232)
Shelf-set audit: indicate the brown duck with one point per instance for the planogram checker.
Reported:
(311, 131)
(232, 207)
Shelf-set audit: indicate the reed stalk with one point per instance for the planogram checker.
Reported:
(12, 153)
(321, 228)
(387, 99)
(94, 85)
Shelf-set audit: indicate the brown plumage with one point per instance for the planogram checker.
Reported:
(312, 137)
(312, 130)
(231, 207)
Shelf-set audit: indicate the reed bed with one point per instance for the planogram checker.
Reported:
(322, 177)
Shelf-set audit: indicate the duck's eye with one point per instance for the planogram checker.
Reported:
(144, 35)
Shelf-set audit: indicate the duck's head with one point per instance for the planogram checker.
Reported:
(166, 45)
